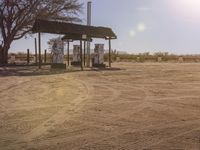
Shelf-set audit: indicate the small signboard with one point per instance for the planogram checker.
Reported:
(84, 36)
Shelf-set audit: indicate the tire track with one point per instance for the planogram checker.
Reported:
(57, 118)
(147, 95)
(31, 136)
(14, 86)
(136, 142)
(174, 137)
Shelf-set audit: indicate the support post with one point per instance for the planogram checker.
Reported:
(36, 61)
(109, 52)
(28, 56)
(68, 52)
(81, 53)
(88, 54)
(45, 56)
(39, 44)
(84, 52)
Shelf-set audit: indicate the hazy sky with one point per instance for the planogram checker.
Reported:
(142, 25)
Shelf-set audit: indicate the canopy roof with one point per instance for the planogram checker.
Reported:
(74, 37)
(72, 31)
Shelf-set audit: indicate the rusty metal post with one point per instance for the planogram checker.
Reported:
(68, 52)
(81, 53)
(39, 45)
(36, 61)
(45, 56)
(109, 52)
(84, 52)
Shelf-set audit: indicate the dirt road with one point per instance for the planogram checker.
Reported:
(142, 106)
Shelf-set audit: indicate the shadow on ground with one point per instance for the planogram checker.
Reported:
(46, 70)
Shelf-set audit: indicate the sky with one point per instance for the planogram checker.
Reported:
(141, 26)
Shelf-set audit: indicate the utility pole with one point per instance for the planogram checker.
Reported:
(89, 11)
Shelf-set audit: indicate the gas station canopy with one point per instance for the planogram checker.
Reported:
(72, 31)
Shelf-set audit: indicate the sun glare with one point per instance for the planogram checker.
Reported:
(188, 8)
(191, 5)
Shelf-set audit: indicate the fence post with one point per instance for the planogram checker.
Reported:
(180, 59)
(159, 59)
(45, 56)
(28, 56)
(39, 48)
(36, 60)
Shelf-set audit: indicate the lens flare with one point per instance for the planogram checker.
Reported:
(141, 27)
(132, 33)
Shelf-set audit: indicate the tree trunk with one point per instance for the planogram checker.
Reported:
(5, 60)
(1, 55)
(4, 54)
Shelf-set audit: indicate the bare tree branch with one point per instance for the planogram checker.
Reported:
(17, 16)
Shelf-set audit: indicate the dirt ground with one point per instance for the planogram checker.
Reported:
(143, 106)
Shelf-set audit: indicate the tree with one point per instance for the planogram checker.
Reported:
(18, 16)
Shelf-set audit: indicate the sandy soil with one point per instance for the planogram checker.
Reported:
(143, 106)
